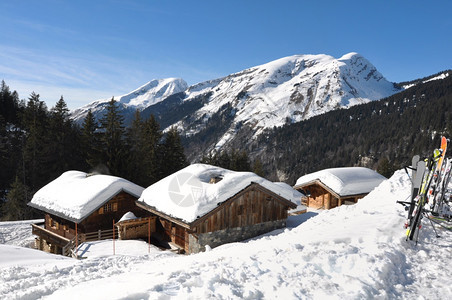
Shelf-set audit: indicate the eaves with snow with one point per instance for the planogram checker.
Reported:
(347, 181)
(189, 194)
(75, 195)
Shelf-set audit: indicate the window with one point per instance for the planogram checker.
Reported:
(109, 207)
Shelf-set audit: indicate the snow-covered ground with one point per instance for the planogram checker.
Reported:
(350, 252)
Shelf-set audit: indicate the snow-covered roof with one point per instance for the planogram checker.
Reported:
(75, 195)
(345, 181)
(187, 194)
(128, 216)
(296, 195)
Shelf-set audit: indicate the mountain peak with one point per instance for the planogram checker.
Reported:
(146, 95)
(350, 56)
(153, 92)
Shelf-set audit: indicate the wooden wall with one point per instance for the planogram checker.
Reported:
(103, 218)
(319, 197)
(100, 219)
(253, 206)
(248, 208)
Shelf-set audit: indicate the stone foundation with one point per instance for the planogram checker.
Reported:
(216, 238)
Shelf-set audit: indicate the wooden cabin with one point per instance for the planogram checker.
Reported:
(210, 206)
(334, 187)
(82, 206)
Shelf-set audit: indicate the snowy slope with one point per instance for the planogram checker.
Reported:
(146, 95)
(289, 89)
(350, 252)
(439, 76)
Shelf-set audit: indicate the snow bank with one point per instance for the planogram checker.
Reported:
(19, 256)
(345, 181)
(187, 194)
(349, 252)
(75, 195)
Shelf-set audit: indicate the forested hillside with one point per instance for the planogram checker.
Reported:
(382, 134)
(38, 145)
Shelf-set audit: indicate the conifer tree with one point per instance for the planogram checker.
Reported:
(112, 127)
(90, 141)
(173, 157)
(152, 136)
(60, 146)
(240, 161)
(258, 168)
(35, 123)
(135, 140)
(15, 207)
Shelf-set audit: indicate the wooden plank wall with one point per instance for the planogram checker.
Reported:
(252, 207)
(98, 220)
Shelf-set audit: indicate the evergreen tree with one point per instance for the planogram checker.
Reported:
(4, 175)
(113, 146)
(9, 104)
(386, 168)
(60, 148)
(90, 141)
(258, 168)
(152, 136)
(173, 157)
(136, 152)
(240, 161)
(35, 123)
(15, 207)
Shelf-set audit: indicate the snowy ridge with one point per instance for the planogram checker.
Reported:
(438, 77)
(144, 96)
(350, 252)
(290, 89)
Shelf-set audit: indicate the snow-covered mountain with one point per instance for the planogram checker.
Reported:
(144, 96)
(294, 88)
(287, 90)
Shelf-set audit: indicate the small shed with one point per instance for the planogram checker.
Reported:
(131, 227)
(203, 205)
(333, 187)
(82, 205)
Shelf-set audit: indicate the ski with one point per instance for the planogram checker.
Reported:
(422, 197)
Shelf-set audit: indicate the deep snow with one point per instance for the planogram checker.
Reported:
(350, 252)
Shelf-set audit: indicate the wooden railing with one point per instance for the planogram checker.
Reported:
(69, 245)
(100, 235)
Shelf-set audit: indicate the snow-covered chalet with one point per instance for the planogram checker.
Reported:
(81, 205)
(333, 187)
(205, 206)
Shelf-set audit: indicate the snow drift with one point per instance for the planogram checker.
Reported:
(350, 252)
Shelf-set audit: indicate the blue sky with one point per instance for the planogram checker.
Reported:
(86, 50)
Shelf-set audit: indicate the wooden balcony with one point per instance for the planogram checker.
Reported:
(49, 236)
